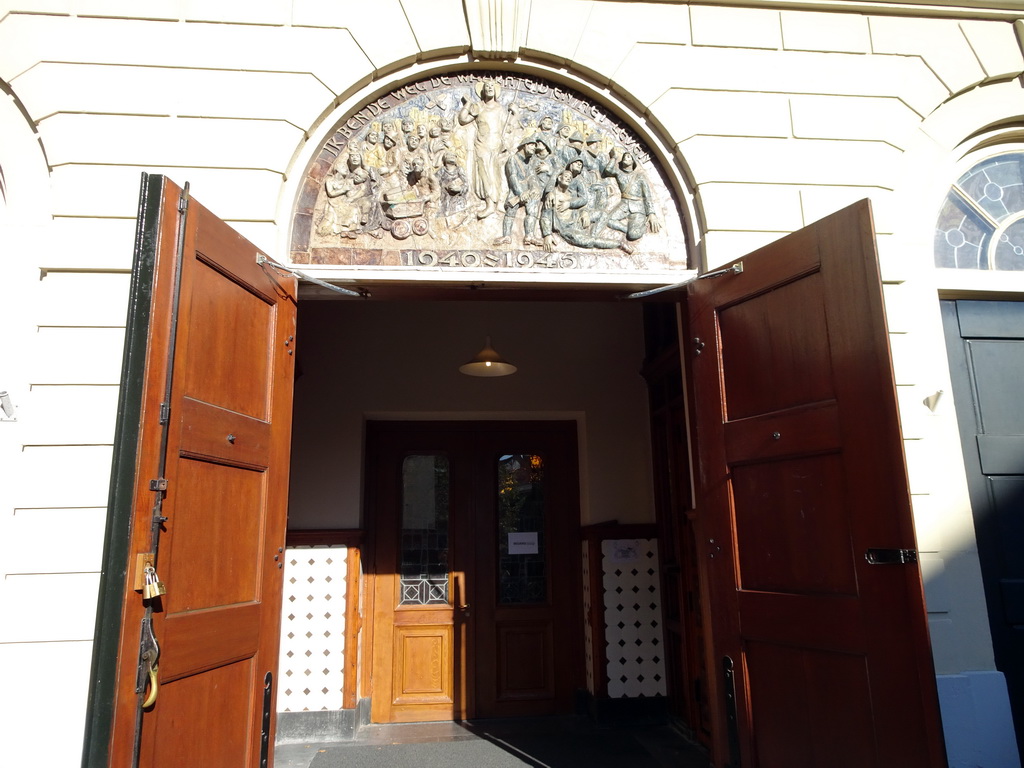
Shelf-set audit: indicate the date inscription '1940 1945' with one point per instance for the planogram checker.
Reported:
(490, 259)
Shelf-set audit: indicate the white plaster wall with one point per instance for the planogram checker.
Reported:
(51, 464)
(773, 118)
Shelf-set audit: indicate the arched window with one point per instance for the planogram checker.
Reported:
(981, 223)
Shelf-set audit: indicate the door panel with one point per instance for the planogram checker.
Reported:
(476, 584)
(524, 655)
(772, 337)
(985, 341)
(220, 696)
(827, 681)
(801, 472)
(422, 671)
(790, 534)
(217, 390)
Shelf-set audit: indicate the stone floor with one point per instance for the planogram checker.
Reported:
(556, 742)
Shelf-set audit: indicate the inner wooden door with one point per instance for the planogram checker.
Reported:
(476, 569)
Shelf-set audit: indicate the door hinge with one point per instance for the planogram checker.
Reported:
(165, 413)
(160, 484)
(890, 556)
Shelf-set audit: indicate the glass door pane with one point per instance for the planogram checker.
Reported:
(424, 530)
(522, 560)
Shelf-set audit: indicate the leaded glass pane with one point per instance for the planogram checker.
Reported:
(522, 559)
(961, 236)
(423, 567)
(979, 225)
(1009, 250)
(996, 185)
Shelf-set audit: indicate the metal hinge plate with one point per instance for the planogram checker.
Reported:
(891, 556)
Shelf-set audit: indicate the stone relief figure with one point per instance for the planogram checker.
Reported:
(565, 213)
(409, 207)
(391, 166)
(546, 130)
(540, 179)
(594, 165)
(518, 170)
(635, 213)
(438, 142)
(572, 149)
(453, 203)
(423, 183)
(351, 206)
(414, 150)
(373, 150)
(565, 130)
(490, 118)
(438, 164)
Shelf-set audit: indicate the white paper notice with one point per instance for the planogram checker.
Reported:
(523, 543)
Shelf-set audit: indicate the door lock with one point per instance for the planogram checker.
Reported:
(890, 556)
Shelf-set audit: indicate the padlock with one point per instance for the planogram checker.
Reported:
(153, 586)
(149, 588)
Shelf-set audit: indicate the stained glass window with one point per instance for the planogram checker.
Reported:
(981, 222)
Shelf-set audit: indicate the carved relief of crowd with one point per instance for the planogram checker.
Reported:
(437, 173)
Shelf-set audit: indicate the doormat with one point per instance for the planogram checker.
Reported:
(543, 748)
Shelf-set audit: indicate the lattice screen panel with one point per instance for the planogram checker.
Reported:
(311, 673)
(635, 646)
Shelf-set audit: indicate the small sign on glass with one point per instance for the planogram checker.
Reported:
(523, 543)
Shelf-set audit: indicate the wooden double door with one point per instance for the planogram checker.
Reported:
(476, 570)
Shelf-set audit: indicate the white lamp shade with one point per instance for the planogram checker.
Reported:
(487, 363)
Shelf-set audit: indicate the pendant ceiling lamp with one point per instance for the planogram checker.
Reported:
(487, 363)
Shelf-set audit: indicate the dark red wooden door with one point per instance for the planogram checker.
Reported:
(212, 461)
(801, 472)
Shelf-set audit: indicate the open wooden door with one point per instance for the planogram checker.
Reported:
(208, 496)
(820, 638)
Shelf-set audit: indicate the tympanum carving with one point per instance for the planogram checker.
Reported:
(486, 170)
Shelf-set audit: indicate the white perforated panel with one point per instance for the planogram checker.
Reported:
(312, 664)
(634, 642)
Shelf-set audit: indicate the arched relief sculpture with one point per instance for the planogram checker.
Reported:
(486, 171)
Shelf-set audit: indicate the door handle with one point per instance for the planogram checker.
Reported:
(460, 581)
(149, 658)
